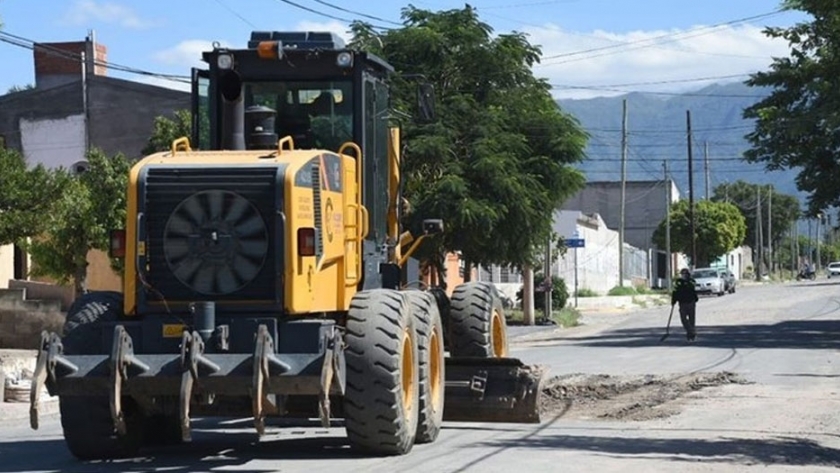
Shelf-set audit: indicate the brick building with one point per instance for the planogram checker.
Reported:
(76, 105)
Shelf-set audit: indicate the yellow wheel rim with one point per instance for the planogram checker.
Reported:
(408, 373)
(435, 370)
(498, 331)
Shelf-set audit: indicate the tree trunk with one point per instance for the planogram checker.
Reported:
(467, 270)
(528, 295)
(80, 278)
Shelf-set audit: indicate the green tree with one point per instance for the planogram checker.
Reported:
(496, 162)
(26, 197)
(165, 130)
(719, 228)
(783, 209)
(796, 125)
(19, 88)
(80, 220)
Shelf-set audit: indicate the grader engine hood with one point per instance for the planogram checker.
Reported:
(210, 233)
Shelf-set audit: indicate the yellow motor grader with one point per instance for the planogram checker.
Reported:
(265, 275)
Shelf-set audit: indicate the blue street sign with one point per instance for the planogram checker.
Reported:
(575, 243)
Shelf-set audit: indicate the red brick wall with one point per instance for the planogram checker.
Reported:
(50, 63)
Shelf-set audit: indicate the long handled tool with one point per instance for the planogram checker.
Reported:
(668, 327)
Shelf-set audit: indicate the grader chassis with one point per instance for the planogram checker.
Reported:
(268, 279)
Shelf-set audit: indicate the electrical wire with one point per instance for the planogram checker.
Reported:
(669, 37)
(325, 15)
(32, 45)
(352, 12)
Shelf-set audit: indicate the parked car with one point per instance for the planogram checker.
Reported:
(709, 281)
(729, 282)
(833, 269)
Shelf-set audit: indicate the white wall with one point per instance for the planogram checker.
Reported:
(597, 262)
(7, 265)
(53, 142)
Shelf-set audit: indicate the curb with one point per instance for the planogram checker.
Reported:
(15, 412)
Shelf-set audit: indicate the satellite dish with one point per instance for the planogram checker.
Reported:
(79, 167)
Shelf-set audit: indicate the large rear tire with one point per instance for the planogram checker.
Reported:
(381, 402)
(477, 322)
(431, 364)
(86, 420)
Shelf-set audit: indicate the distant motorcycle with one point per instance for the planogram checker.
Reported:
(806, 274)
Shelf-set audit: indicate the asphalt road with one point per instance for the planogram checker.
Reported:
(783, 339)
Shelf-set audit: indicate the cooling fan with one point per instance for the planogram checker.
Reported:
(215, 242)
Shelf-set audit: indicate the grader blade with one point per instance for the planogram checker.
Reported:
(500, 390)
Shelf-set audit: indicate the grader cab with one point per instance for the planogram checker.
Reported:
(264, 275)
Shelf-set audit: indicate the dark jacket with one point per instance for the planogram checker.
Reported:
(684, 291)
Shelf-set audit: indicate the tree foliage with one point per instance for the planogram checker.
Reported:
(798, 124)
(719, 228)
(26, 197)
(497, 160)
(783, 209)
(165, 130)
(20, 88)
(80, 220)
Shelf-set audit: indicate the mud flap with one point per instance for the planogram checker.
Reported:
(492, 390)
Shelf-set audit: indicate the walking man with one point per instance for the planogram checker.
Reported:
(685, 293)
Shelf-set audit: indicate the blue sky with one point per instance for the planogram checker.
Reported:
(167, 37)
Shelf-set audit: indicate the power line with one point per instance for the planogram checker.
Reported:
(235, 13)
(26, 43)
(352, 12)
(325, 15)
(670, 37)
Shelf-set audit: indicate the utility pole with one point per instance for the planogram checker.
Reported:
(793, 255)
(549, 280)
(758, 233)
(85, 114)
(623, 193)
(691, 193)
(668, 270)
(819, 243)
(770, 228)
(706, 163)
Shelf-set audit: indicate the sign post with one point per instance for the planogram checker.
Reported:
(576, 243)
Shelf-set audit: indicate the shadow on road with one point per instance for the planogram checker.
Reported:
(805, 334)
(780, 450)
(209, 451)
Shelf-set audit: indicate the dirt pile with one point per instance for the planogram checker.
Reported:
(630, 398)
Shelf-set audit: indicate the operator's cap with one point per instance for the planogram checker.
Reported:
(685, 271)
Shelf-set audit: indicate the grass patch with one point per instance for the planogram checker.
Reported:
(566, 317)
(586, 292)
(622, 291)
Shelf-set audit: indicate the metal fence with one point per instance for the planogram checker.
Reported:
(635, 264)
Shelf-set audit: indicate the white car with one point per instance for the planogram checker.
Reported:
(833, 269)
(709, 281)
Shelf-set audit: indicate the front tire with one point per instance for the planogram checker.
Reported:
(477, 322)
(86, 420)
(381, 402)
(431, 364)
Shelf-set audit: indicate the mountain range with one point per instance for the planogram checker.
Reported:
(657, 131)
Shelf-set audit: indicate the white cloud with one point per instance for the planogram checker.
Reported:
(84, 12)
(337, 27)
(695, 54)
(187, 53)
